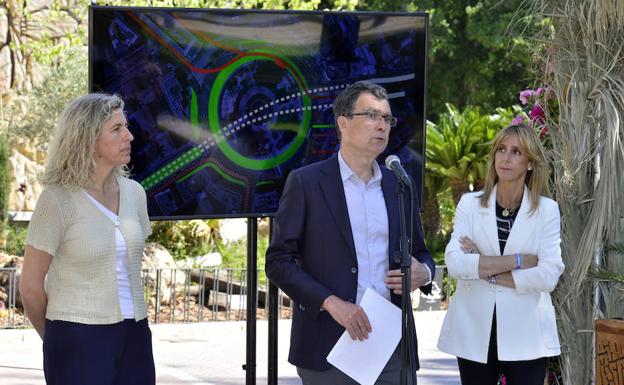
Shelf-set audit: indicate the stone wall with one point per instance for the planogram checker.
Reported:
(26, 172)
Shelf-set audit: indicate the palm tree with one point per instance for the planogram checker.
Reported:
(458, 145)
(434, 186)
(584, 50)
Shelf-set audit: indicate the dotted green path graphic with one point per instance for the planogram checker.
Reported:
(171, 168)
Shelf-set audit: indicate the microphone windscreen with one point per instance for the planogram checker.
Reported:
(391, 159)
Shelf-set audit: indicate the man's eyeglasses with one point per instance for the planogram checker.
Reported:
(376, 117)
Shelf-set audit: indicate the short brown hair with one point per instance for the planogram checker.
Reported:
(345, 101)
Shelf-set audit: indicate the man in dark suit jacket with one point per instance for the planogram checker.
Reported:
(336, 233)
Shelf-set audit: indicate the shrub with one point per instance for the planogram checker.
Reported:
(16, 238)
(186, 239)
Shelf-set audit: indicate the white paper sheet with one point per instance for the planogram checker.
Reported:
(363, 361)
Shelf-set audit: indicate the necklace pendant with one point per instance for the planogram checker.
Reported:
(505, 212)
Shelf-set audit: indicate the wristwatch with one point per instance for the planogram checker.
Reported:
(492, 279)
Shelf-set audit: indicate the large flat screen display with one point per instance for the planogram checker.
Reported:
(223, 104)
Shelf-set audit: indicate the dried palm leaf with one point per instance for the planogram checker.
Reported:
(586, 52)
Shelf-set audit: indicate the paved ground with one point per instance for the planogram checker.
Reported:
(213, 353)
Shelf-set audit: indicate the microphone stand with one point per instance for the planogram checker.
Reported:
(408, 331)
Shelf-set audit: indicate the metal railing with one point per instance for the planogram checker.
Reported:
(8, 297)
(204, 294)
(200, 295)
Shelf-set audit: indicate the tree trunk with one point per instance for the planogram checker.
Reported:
(431, 216)
(458, 188)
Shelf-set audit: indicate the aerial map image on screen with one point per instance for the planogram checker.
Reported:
(223, 104)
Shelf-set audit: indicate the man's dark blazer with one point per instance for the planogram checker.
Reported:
(312, 255)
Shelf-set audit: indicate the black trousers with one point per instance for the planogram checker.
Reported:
(390, 375)
(80, 354)
(531, 372)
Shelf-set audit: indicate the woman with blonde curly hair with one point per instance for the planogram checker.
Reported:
(81, 280)
(505, 254)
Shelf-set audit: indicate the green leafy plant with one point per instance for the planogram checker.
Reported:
(16, 234)
(611, 274)
(436, 243)
(32, 115)
(458, 145)
(186, 239)
(193, 238)
(608, 276)
(479, 52)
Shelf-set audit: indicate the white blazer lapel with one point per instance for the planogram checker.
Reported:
(521, 229)
(487, 216)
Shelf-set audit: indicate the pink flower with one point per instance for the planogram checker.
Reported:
(537, 114)
(538, 92)
(517, 120)
(525, 95)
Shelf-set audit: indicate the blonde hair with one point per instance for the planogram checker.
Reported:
(71, 160)
(536, 179)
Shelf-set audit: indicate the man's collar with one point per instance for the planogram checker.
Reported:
(346, 172)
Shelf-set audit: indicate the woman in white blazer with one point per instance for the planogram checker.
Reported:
(505, 254)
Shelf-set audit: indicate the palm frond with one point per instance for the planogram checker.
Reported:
(606, 276)
(586, 54)
(617, 248)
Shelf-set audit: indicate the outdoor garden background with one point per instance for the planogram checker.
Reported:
(557, 64)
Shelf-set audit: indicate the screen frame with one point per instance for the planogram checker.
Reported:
(420, 184)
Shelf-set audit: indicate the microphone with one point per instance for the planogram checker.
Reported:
(394, 163)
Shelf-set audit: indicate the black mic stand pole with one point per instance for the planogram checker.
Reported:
(408, 337)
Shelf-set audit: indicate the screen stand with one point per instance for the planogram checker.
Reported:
(273, 308)
(408, 331)
(252, 303)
